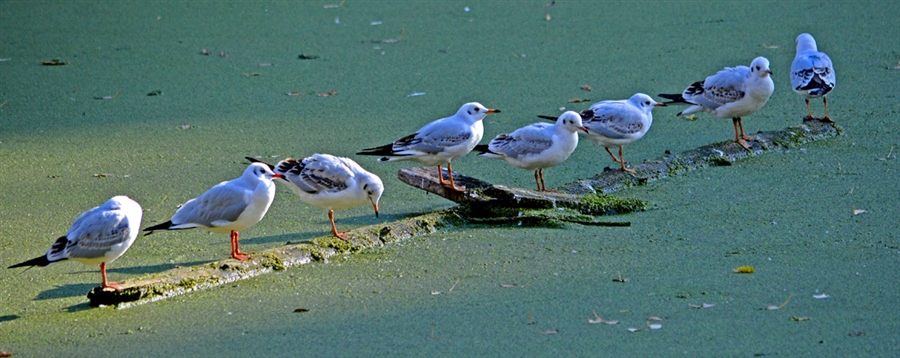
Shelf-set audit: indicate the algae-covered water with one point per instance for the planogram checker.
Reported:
(472, 290)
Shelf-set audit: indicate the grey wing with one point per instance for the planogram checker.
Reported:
(532, 139)
(435, 136)
(615, 120)
(93, 236)
(318, 173)
(221, 202)
(717, 90)
(813, 72)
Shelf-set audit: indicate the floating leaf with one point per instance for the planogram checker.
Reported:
(744, 269)
(54, 62)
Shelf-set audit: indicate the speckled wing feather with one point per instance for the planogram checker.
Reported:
(528, 140)
(614, 119)
(812, 71)
(724, 87)
(318, 173)
(92, 235)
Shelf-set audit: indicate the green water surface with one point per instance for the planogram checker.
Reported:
(473, 290)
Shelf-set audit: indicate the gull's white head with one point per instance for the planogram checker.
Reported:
(806, 42)
(760, 67)
(121, 202)
(474, 111)
(571, 121)
(372, 186)
(259, 171)
(644, 102)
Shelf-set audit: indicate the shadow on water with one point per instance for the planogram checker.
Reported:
(8, 317)
(81, 289)
(79, 307)
(300, 237)
(64, 291)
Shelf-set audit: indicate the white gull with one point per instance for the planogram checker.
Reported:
(439, 142)
(229, 207)
(812, 74)
(331, 183)
(731, 93)
(614, 124)
(537, 146)
(98, 236)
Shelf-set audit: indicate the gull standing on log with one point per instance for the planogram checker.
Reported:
(812, 74)
(229, 207)
(731, 93)
(98, 236)
(537, 146)
(614, 124)
(439, 142)
(331, 183)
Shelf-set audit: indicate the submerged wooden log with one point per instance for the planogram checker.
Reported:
(490, 196)
(183, 280)
(716, 154)
(485, 200)
(482, 202)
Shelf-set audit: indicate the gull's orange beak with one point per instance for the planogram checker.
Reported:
(489, 111)
(277, 176)
(660, 104)
(584, 129)
(376, 209)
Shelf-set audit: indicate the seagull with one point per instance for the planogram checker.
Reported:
(812, 74)
(439, 142)
(537, 146)
(731, 93)
(618, 123)
(98, 236)
(330, 182)
(231, 206)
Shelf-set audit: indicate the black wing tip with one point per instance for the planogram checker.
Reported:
(386, 149)
(482, 149)
(158, 227)
(551, 118)
(37, 261)
(676, 98)
(254, 160)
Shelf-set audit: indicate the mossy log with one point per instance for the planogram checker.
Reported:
(485, 200)
(482, 202)
(181, 280)
(716, 154)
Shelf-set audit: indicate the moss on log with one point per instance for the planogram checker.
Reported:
(181, 280)
(482, 202)
(716, 154)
